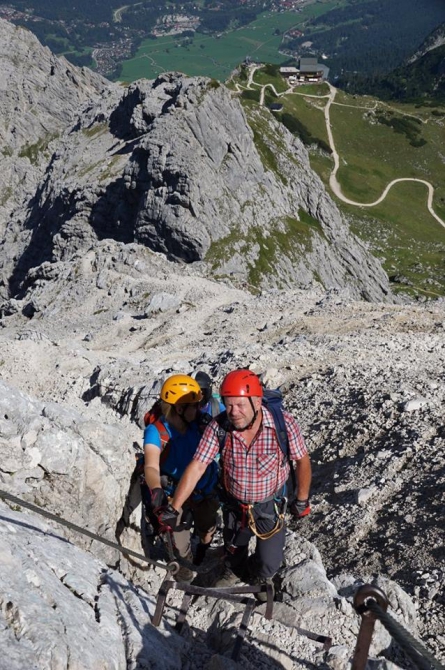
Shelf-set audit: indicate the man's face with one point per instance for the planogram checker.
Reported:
(240, 411)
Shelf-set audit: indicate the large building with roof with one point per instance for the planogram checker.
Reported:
(309, 70)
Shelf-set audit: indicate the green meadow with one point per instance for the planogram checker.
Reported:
(217, 56)
(378, 142)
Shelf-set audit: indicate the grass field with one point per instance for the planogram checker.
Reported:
(217, 57)
(401, 231)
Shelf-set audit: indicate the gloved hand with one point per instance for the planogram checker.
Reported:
(300, 508)
(167, 517)
(158, 498)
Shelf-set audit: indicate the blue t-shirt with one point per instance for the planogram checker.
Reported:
(181, 449)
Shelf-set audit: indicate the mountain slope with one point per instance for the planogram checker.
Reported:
(174, 165)
(39, 97)
(95, 323)
(422, 78)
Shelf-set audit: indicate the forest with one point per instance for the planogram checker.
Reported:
(360, 41)
(422, 81)
(74, 29)
(95, 11)
(370, 37)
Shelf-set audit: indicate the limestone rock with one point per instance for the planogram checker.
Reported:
(60, 607)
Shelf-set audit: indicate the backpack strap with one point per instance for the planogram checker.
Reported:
(203, 419)
(165, 441)
(223, 429)
(280, 428)
(283, 440)
(214, 406)
(280, 432)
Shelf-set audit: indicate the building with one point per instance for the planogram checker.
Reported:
(308, 71)
(287, 72)
(311, 70)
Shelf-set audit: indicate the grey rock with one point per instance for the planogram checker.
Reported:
(60, 606)
(162, 302)
(363, 495)
(415, 404)
(62, 443)
(71, 408)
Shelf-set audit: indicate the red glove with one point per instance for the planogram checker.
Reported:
(158, 498)
(167, 517)
(300, 508)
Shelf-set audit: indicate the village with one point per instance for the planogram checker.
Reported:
(69, 38)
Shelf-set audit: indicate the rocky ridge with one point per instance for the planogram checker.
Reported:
(40, 96)
(433, 41)
(173, 164)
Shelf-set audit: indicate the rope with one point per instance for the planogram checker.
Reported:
(63, 522)
(406, 641)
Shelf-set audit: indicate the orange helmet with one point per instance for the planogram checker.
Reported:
(181, 390)
(241, 383)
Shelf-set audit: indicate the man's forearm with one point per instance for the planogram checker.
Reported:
(187, 484)
(303, 471)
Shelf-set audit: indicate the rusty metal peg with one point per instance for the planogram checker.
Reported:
(172, 568)
(369, 591)
(364, 593)
(160, 603)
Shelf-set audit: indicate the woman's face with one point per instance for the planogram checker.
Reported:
(188, 412)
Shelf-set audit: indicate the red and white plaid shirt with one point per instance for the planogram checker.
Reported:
(252, 474)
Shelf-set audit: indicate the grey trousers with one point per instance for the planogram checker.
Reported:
(268, 553)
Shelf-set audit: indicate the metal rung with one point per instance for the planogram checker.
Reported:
(233, 594)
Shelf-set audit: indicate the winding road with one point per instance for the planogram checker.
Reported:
(333, 182)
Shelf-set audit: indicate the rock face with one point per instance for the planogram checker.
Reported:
(62, 608)
(435, 40)
(60, 459)
(172, 164)
(40, 95)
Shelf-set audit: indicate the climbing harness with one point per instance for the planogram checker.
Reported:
(279, 514)
(247, 515)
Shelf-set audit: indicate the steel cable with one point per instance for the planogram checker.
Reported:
(412, 647)
(63, 522)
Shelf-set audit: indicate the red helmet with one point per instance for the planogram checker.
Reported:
(241, 383)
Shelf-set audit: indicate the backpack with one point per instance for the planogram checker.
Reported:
(273, 401)
(153, 416)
